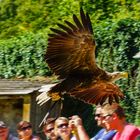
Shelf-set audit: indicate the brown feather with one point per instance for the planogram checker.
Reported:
(98, 93)
(65, 28)
(86, 21)
(71, 25)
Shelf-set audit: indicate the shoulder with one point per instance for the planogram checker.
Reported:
(129, 128)
(135, 132)
(100, 132)
(130, 132)
(36, 138)
(109, 135)
(73, 138)
(11, 137)
(103, 134)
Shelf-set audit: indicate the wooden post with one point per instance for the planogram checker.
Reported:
(26, 108)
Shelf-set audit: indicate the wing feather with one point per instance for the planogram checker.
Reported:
(89, 23)
(73, 27)
(86, 21)
(71, 47)
(99, 93)
(103, 99)
(65, 28)
(78, 23)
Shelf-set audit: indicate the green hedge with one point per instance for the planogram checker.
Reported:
(23, 56)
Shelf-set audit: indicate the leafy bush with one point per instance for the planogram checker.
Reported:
(23, 56)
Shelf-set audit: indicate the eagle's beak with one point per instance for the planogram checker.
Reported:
(124, 74)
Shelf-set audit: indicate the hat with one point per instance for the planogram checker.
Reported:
(2, 125)
(23, 124)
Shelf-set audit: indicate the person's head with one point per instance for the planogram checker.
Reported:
(24, 130)
(113, 115)
(48, 129)
(98, 116)
(62, 128)
(4, 130)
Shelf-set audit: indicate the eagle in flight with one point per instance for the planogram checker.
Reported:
(71, 56)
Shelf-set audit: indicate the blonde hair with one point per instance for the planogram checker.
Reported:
(61, 118)
(56, 123)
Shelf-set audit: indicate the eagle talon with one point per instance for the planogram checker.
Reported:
(54, 96)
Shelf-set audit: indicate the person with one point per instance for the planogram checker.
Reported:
(104, 133)
(48, 129)
(62, 129)
(115, 118)
(24, 130)
(4, 132)
(75, 123)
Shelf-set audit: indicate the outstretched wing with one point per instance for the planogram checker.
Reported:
(99, 93)
(71, 47)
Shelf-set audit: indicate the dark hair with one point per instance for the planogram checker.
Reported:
(49, 121)
(120, 112)
(23, 124)
(114, 108)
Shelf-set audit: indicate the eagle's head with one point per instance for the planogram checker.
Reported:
(118, 75)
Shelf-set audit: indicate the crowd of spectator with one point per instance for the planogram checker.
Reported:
(111, 118)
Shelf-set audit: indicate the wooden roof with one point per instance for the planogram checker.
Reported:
(16, 87)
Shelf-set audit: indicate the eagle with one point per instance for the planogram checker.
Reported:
(71, 56)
